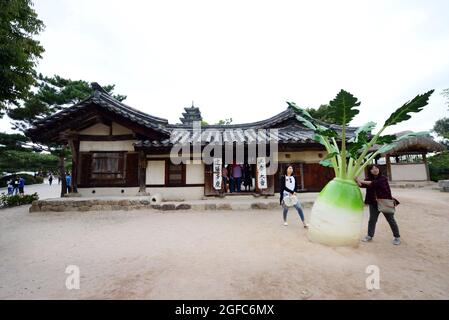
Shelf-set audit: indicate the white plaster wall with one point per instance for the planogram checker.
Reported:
(155, 173)
(410, 172)
(118, 129)
(194, 173)
(109, 191)
(98, 129)
(126, 145)
(178, 193)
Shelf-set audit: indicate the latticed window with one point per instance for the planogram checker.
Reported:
(175, 174)
(107, 166)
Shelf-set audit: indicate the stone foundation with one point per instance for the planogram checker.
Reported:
(83, 205)
(443, 185)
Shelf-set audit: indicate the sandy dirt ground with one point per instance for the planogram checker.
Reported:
(220, 255)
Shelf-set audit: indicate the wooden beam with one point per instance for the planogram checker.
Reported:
(142, 171)
(74, 148)
(388, 163)
(424, 157)
(121, 137)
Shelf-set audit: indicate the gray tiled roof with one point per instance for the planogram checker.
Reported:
(289, 134)
(109, 103)
(289, 130)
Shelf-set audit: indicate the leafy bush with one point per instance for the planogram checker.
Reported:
(439, 166)
(17, 200)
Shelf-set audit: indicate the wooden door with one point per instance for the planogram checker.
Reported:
(316, 176)
(132, 169)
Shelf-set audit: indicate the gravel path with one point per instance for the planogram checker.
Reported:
(220, 255)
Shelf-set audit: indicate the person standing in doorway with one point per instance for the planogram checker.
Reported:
(248, 177)
(225, 176)
(377, 187)
(288, 188)
(231, 179)
(237, 173)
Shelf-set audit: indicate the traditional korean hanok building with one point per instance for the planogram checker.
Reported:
(119, 150)
(407, 161)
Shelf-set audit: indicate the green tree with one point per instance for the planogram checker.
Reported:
(14, 161)
(439, 166)
(322, 113)
(14, 141)
(52, 94)
(445, 93)
(19, 52)
(225, 122)
(441, 127)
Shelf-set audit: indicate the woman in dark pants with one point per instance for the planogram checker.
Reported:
(377, 187)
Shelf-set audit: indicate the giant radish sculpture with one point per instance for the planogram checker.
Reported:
(337, 213)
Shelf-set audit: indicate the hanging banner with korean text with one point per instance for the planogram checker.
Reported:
(217, 173)
(261, 173)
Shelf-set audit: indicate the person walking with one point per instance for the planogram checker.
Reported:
(50, 179)
(68, 181)
(10, 187)
(377, 187)
(21, 185)
(237, 173)
(15, 185)
(288, 189)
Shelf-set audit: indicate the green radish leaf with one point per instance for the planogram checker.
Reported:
(369, 155)
(308, 121)
(300, 111)
(386, 139)
(367, 127)
(326, 132)
(331, 155)
(355, 148)
(343, 108)
(319, 139)
(326, 163)
(415, 105)
(386, 148)
(305, 122)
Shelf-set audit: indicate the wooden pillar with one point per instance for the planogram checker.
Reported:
(142, 171)
(74, 148)
(62, 171)
(301, 169)
(388, 163)
(424, 158)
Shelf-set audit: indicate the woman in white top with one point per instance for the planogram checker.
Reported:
(288, 188)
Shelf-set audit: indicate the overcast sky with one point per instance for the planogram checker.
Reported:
(244, 59)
